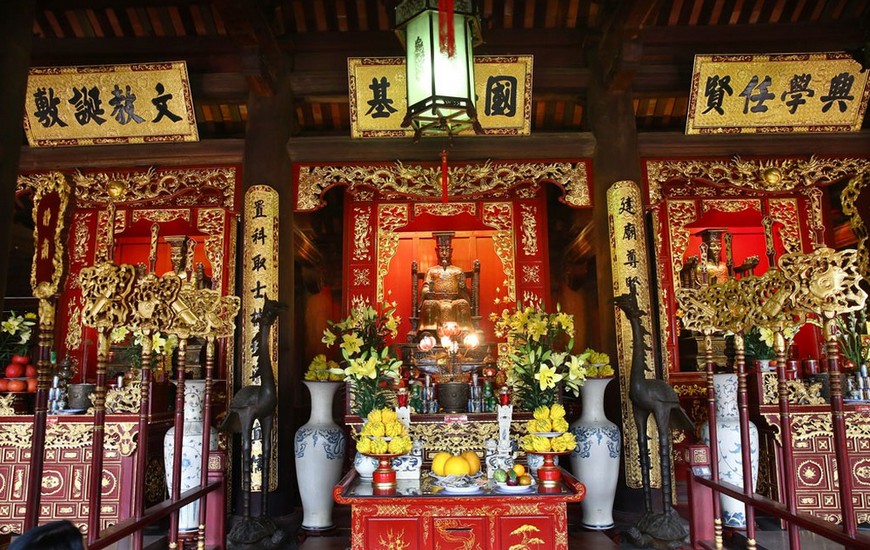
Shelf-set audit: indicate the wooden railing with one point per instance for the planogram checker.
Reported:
(818, 285)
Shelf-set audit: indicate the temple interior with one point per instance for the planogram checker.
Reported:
(457, 274)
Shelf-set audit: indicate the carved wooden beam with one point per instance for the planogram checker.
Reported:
(249, 29)
(619, 48)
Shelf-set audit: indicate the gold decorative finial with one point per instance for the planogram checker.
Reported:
(116, 189)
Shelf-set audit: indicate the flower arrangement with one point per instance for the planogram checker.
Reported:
(321, 370)
(537, 363)
(548, 431)
(130, 342)
(758, 344)
(852, 329)
(598, 364)
(368, 363)
(383, 434)
(16, 333)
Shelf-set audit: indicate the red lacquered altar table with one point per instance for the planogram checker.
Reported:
(419, 516)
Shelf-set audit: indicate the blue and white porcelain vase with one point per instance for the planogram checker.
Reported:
(729, 447)
(319, 446)
(595, 460)
(191, 451)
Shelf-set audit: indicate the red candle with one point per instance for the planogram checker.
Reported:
(504, 397)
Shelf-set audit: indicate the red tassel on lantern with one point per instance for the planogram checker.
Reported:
(446, 38)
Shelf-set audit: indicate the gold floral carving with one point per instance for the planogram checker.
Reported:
(785, 211)
(445, 209)
(807, 427)
(105, 289)
(825, 281)
(161, 215)
(731, 205)
(104, 233)
(211, 221)
(74, 327)
(664, 314)
(171, 187)
(532, 274)
(362, 234)
(47, 230)
(776, 175)
(680, 213)
(6, 408)
(390, 218)
(424, 183)
(120, 436)
(690, 390)
(454, 436)
(125, 399)
(499, 215)
(529, 230)
(799, 392)
(361, 277)
(849, 199)
(81, 236)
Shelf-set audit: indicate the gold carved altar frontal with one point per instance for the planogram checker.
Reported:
(109, 105)
(259, 280)
(785, 93)
(628, 258)
(378, 95)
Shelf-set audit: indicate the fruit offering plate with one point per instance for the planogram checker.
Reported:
(459, 485)
(503, 487)
(548, 434)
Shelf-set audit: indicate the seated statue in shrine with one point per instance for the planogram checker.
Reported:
(714, 269)
(445, 297)
(696, 272)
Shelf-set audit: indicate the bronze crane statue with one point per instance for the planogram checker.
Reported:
(656, 397)
(250, 403)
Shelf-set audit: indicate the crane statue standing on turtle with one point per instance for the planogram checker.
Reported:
(656, 397)
(250, 403)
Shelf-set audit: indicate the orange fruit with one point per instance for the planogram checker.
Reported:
(438, 462)
(524, 479)
(17, 385)
(473, 461)
(519, 469)
(456, 466)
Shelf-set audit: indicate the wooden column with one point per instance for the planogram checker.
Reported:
(16, 31)
(270, 121)
(611, 119)
(616, 158)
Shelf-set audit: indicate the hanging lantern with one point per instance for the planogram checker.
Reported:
(438, 36)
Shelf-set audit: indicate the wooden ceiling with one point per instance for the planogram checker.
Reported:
(235, 48)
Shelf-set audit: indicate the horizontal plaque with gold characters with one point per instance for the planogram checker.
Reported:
(378, 95)
(109, 105)
(783, 93)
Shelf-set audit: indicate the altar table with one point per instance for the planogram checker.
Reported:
(416, 515)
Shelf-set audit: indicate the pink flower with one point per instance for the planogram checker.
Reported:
(426, 344)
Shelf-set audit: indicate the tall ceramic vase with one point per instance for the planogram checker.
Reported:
(319, 447)
(191, 451)
(729, 446)
(595, 460)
